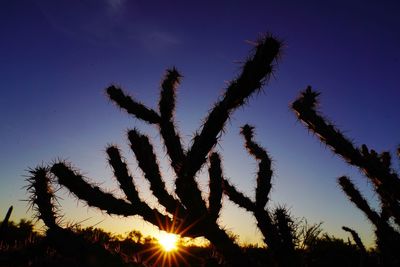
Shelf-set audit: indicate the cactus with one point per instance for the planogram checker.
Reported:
(356, 239)
(64, 240)
(276, 226)
(4, 223)
(187, 213)
(376, 167)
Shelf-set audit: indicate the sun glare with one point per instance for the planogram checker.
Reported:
(168, 242)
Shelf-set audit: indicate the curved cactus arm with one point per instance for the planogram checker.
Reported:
(238, 197)
(384, 179)
(256, 70)
(356, 239)
(215, 184)
(147, 161)
(4, 223)
(95, 197)
(355, 196)
(42, 198)
(172, 140)
(64, 240)
(264, 221)
(264, 174)
(122, 175)
(304, 107)
(132, 106)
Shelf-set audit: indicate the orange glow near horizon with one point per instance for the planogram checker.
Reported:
(167, 251)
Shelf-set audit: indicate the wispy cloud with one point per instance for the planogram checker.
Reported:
(114, 6)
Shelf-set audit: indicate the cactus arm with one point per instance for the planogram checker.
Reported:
(304, 107)
(375, 167)
(172, 140)
(284, 224)
(232, 252)
(95, 197)
(42, 198)
(264, 221)
(147, 161)
(356, 239)
(215, 185)
(131, 106)
(256, 70)
(64, 240)
(264, 174)
(4, 223)
(238, 197)
(355, 196)
(122, 175)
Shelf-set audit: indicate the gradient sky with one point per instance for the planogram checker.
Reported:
(57, 57)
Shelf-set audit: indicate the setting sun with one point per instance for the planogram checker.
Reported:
(168, 241)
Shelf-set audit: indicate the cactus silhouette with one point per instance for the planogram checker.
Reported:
(276, 226)
(376, 167)
(4, 223)
(187, 213)
(66, 242)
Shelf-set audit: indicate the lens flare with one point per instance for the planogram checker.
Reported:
(168, 242)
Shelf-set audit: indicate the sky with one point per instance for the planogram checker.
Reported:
(57, 57)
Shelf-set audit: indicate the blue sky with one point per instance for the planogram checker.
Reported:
(57, 57)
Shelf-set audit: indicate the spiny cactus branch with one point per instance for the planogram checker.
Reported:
(95, 197)
(264, 174)
(356, 239)
(167, 98)
(238, 197)
(4, 223)
(122, 175)
(386, 182)
(42, 197)
(172, 140)
(215, 196)
(284, 224)
(147, 161)
(355, 196)
(131, 106)
(256, 70)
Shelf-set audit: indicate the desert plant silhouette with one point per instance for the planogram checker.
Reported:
(187, 213)
(376, 167)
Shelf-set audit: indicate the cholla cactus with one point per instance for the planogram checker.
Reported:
(43, 201)
(376, 167)
(276, 227)
(4, 223)
(187, 213)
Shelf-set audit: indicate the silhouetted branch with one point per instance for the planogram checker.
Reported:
(168, 132)
(264, 174)
(356, 239)
(131, 106)
(147, 161)
(215, 196)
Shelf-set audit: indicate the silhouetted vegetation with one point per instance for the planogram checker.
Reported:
(23, 246)
(185, 212)
(188, 214)
(377, 167)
